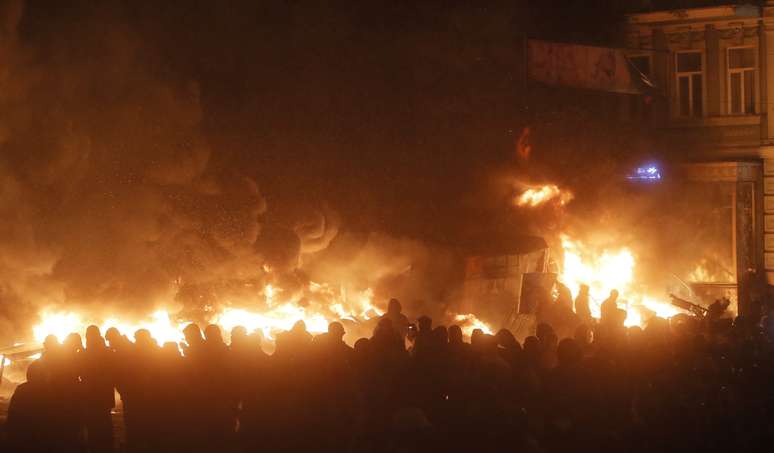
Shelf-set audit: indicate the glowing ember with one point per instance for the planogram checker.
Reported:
(469, 323)
(536, 196)
(605, 270)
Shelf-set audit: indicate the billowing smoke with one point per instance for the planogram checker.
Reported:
(112, 199)
(109, 193)
(426, 278)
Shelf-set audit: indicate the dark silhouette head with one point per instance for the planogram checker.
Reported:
(170, 350)
(475, 336)
(584, 290)
(425, 324)
(584, 335)
(440, 335)
(455, 335)
(143, 338)
(213, 334)
(506, 339)
(336, 330)
(92, 332)
(239, 336)
(361, 345)
(299, 326)
(543, 330)
(193, 335)
(73, 342)
(393, 306)
(613, 295)
(51, 343)
(94, 337)
(113, 337)
(36, 372)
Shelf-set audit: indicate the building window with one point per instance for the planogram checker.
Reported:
(741, 80)
(642, 63)
(689, 84)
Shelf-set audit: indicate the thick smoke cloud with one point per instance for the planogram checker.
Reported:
(113, 198)
(109, 193)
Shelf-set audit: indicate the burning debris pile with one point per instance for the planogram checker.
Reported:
(581, 260)
(604, 271)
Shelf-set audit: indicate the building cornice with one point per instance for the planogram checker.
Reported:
(683, 16)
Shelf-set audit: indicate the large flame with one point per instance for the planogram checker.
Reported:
(61, 324)
(538, 195)
(272, 314)
(605, 270)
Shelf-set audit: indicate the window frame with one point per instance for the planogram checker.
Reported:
(741, 72)
(689, 75)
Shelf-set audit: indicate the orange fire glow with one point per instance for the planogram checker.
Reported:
(605, 270)
(469, 323)
(275, 315)
(539, 195)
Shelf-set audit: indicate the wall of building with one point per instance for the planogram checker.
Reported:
(719, 143)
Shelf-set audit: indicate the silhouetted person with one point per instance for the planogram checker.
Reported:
(399, 321)
(194, 341)
(423, 344)
(584, 336)
(171, 384)
(582, 304)
(509, 348)
(295, 344)
(219, 408)
(98, 391)
(30, 426)
(609, 306)
(532, 352)
(144, 417)
(122, 365)
(567, 399)
(67, 394)
(332, 343)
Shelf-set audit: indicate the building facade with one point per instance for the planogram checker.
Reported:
(714, 68)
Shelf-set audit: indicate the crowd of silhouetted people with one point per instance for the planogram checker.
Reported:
(688, 384)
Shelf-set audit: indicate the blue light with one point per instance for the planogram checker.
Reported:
(646, 173)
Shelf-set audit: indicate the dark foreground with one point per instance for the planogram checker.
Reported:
(686, 385)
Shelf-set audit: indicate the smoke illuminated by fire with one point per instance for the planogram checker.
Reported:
(605, 270)
(539, 195)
